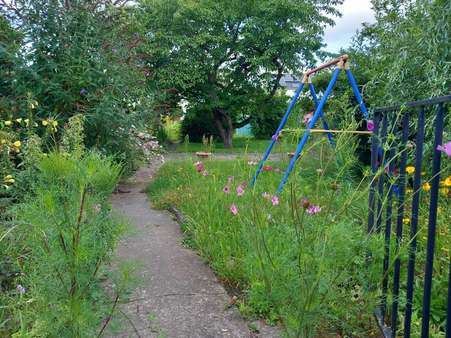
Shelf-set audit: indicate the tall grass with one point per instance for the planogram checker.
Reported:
(309, 271)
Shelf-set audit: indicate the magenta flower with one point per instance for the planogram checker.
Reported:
(446, 148)
(275, 200)
(370, 125)
(226, 190)
(204, 173)
(239, 190)
(244, 184)
(266, 196)
(313, 209)
(199, 166)
(267, 168)
(230, 179)
(234, 209)
(307, 118)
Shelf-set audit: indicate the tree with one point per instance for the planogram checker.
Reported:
(10, 40)
(229, 56)
(407, 50)
(81, 57)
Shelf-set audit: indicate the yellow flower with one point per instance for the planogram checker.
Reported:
(19, 120)
(17, 144)
(426, 186)
(447, 182)
(45, 122)
(444, 191)
(8, 123)
(406, 220)
(54, 123)
(9, 179)
(410, 170)
(409, 190)
(423, 173)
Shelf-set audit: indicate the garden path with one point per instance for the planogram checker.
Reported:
(179, 295)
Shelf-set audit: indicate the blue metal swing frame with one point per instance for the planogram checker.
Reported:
(341, 63)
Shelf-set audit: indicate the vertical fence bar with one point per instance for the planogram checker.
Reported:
(275, 136)
(433, 205)
(388, 221)
(374, 147)
(414, 223)
(380, 182)
(399, 221)
(311, 124)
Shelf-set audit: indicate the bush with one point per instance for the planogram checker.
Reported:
(66, 233)
(267, 117)
(79, 60)
(172, 130)
(197, 124)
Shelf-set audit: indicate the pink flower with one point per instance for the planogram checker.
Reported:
(267, 168)
(199, 166)
(230, 179)
(239, 190)
(313, 209)
(226, 190)
(446, 148)
(244, 184)
(234, 209)
(307, 118)
(266, 196)
(275, 200)
(370, 125)
(204, 173)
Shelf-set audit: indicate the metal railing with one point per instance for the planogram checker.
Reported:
(399, 136)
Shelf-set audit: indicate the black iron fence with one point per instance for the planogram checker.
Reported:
(409, 188)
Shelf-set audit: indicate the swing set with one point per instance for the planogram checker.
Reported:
(341, 63)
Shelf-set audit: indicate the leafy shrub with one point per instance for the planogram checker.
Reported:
(67, 234)
(267, 116)
(198, 123)
(81, 59)
(172, 129)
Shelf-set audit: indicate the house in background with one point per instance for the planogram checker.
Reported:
(288, 82)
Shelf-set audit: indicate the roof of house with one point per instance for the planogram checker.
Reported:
(289, 81)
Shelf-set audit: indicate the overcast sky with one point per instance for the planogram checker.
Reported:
(354, 13)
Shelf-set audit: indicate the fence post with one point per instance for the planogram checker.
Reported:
(399, 221)
(414, 223)
(432, 223)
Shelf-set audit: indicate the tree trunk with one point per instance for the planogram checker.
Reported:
(224, 125)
